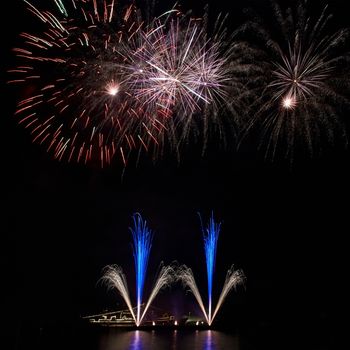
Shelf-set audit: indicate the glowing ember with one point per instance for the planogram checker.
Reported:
(289, 102)
(113, 88)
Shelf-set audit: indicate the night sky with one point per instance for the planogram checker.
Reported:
(284, 225)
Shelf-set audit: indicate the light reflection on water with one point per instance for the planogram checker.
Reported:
(168, 340)
(209, 344)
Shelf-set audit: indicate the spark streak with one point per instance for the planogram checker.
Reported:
(115, 278)
(233, 278)
(142, 238)
(211, 235)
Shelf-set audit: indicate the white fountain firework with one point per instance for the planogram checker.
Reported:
(233, 279)
(114, 278)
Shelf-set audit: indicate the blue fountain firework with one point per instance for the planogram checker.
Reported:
(211, 235)
(142, 239)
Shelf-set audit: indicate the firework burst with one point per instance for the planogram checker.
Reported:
(301, 79)
(188, 74)
(99, 81)
(77, 73)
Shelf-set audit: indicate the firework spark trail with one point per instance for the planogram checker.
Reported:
(300, 74)
(233, 279)
(185, 275)
(187, 73)
(142, 239)
(210, 235)
(302, 79)
(114, 277)
(164, 279)
(186, 66)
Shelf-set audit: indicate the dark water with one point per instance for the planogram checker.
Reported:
(119, 339)
(86, 338)
(172, 339)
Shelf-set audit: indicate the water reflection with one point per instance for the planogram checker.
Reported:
(136, 341)
(209, 344)
(166, 339)
(131, 340)
(174, 339)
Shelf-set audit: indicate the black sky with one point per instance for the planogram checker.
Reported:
(286, 227)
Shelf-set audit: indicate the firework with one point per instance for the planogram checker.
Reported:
(77, 73)
(97, 80)
(114, 277)
(186, 276)
(301, 80)
(189, 74)
(233, 277)
(142, 238)
(211, 236)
